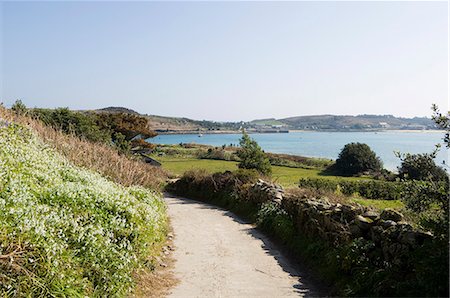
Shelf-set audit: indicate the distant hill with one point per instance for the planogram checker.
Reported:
(117, 110)
(269, 121)
(360, 122)
(163, 124)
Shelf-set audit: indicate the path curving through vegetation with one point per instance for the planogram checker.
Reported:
(219, 255)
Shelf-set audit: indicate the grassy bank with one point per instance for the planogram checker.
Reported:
(67, 231)
(97, 156)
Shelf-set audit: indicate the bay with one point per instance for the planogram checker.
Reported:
(327, 144)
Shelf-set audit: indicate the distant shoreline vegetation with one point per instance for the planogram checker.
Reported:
(107, 118)
(124, 128)
(164, 124)
(195, 132)
(323, 144)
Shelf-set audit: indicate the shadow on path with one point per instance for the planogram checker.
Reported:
(304, 281)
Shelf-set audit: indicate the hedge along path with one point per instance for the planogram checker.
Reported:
(218, 255)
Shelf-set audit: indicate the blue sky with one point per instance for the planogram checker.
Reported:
(228, 60)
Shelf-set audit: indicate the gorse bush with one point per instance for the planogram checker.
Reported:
(130, 125)
(356, 158)
(93, 126)
(80, 124)
(66, 231)
(122, 145)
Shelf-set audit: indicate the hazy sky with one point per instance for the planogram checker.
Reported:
(228, 61)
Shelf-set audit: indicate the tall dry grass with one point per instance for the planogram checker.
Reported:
(95, 156)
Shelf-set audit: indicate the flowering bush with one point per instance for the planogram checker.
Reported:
(67, 231)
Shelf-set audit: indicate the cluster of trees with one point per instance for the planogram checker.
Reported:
(83, 125)
(129, 125)
(425, 185)
(117, 129)
(359, 158)
(212, 125)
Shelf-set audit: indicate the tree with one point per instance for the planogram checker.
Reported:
(252, 156)
(356, 158)
(430, 197)
(442, 121)
(420, 167)
(81, 124)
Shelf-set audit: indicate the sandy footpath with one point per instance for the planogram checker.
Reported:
(218, 255)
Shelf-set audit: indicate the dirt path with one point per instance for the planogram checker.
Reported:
(218, 255)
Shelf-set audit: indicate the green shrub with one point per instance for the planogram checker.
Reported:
(252, 156)
(122, 145)
(19, 108)
(422, 195)
(276, 221)
(421, 167)
(370, 189)
(95, 127)
(82, 125)
(293, 161)
(217, 154)
(130, 125)
(442, 120)
(356, 158)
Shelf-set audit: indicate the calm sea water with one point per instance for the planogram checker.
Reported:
(327, 144)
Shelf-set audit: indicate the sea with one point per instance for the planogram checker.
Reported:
(329, 144)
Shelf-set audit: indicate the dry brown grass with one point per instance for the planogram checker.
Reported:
(95, 156)
(154, 283)
(159, 281)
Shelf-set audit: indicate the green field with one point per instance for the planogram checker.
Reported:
(287, 177)
(283, 175)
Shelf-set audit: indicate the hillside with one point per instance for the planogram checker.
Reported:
(162, 124)
(67, 230)
(360, 122)
(117, 110)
